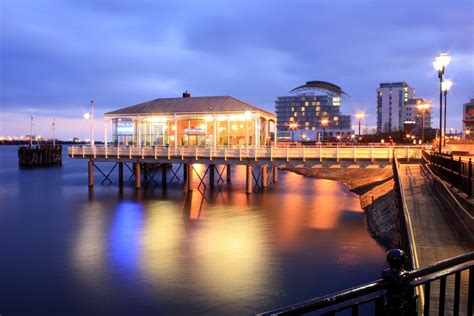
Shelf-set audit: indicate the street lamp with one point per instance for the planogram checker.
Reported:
(360, 116)
(293, 126)
(422, 107)
(90, 116)
(468, 134)
(439, 65)
(445, 86)
(324, 124)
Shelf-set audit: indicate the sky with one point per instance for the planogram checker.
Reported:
(57, 55)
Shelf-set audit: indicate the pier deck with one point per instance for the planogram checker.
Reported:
(434, 238)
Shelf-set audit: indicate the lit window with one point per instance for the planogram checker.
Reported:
(306, 103)
(325, 113)
(302, 108)
(313, 128)
(294, 114)
(336, 118)
(306, 124)
(318, 108)
(291, 119)
(313, 103)
(292, 109)
(306, 128)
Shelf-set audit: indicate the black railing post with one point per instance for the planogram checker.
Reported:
(399, 298)
(459, 174)
(469, 184)
(452, 170)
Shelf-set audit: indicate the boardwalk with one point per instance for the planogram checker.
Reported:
(435, 240)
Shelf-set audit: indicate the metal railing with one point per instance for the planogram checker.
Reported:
(394, 293)
(456, 172)
(320, 153)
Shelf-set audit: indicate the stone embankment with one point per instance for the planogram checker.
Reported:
(377, 198)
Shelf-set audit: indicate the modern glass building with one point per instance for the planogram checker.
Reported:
(312, 112)
(192, 121)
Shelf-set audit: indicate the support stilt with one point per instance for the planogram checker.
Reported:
(137, 176)
(211, 175)
(188, 184)
(164, 168)
(264, 177)
(120, 173)
(275, 174)
(229, 172)
(249, 184)
(185, 172)
(91, 173)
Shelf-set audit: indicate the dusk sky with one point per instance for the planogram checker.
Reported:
(57, 55)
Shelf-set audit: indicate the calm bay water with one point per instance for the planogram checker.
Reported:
(67, 251)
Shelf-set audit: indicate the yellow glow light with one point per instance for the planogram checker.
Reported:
(155, 119)
(324, 121)
(446, 85)
(360, 116)
(87, 116)
(234, 127)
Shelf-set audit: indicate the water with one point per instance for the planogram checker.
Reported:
(67, 251)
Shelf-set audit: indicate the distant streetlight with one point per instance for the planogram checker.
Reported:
(439, 65)
(90, 116)
(293, 126)
(468, 134)
(324, 124)
(360, 116)
(422, 107)
(445, 86)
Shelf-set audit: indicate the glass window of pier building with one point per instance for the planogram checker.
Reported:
(193, 121)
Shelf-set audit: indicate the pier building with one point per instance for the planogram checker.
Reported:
(193, 121)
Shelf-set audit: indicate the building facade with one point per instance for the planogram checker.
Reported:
(411, 114)
(301, 116)
(192, 121)
(391, 100)
(468, 118)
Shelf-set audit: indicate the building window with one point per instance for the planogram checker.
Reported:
(318, 108)
(295, 114)
(336, 118)
(306, 124)
(292, 109)
(306, 103)
(302, 108)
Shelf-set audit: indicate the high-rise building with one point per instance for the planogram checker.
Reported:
(411, 114)
(468, 118)
(391, 98)
(302, 115)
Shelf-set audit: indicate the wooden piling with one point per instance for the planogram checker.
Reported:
(120, 171)
(229, 172)
(185, 172)
(137, 176)
(90, 173)
(164, 168)
(275, 174)
(211, 175)
(249, 176)
(264, 177)
(188, 184)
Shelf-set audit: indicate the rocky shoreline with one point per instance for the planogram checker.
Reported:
(377, 198)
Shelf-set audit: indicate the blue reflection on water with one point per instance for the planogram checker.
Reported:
(126, 235)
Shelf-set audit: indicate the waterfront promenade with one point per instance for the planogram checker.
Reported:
(434, 239)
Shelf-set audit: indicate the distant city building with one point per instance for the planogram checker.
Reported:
(307, 107)
(391, 98)
(411, 114)
(468, 117)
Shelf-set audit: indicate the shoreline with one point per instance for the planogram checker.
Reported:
(377, 198)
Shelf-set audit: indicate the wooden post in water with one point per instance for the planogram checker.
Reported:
(120, 170)
(264, 177)
(90, 173)
(138, 178)
(164, 168)
(275, 174)
(188, 183)
(211, 175)
(249, 184)
(185, 172)
(229, 172)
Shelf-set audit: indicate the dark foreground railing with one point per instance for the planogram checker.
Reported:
(395, 292)
(457, 172)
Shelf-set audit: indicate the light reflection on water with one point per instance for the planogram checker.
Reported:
(168, 252)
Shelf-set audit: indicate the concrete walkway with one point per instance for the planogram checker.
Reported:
(435, 239)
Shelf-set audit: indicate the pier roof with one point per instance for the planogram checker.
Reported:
(212, 104)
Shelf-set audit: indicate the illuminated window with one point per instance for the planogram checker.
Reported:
(302, 108)
(306, 124)
(291, 119)
(306, 103)
(325, 113)
(295, 114)
(313, 128)
(336, 118)
(292, 109)
(318, 103)
(405, 89)
(306, 128)
(318, 108)
(302, 113)
(313, 103)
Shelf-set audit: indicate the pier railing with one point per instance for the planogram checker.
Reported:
(321, 153)
(394, 292)
(456, 172)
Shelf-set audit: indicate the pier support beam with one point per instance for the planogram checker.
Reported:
(138, 178)
(185, 172)
(164, 168)
(275, 174)
(229, 172)
(212, 169)
(120, 173)
(90, 173)
(249, 177)
(188, 184)
(264, 177)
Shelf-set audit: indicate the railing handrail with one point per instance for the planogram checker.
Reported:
(417, 277)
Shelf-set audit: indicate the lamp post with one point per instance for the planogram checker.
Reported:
(90, 116)
(422, 107)
(439, 65)
(445, 86)
(292, 128)
(324, 123)
(360, 116)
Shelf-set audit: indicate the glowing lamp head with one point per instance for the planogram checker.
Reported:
(353, 136)
(423, 106)
(468, 131)
(234, 127)
(87, 116)
(360, 116)
(444, 59)
(324, 122)
(446, 85)
(293, 125)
